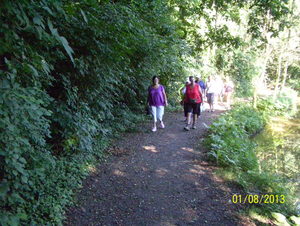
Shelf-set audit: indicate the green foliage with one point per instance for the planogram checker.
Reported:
(295, 85)
(257, 17)
(282, 104)
(230, 146)
(24, 128)
(242, 68)
(278, 151)
(294, 70)
(229, 138)
(261, 183)
(72, 76)
(249, 119)
(287, 99)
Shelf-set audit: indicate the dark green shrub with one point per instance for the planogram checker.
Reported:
(24, 128)
(230, 144)
(229, 138)
(72, 76)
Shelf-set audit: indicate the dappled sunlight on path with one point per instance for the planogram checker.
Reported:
(150, 148)
(164, 181)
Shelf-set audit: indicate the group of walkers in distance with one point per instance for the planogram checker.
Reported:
(193, 95)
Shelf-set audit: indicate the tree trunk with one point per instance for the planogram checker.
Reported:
(284, 77)
(278, 73)
(259, 84)
(285, 66)
(255, 98)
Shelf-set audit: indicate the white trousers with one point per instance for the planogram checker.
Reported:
(157, 113)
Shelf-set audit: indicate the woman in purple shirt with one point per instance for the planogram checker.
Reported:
(157, 99)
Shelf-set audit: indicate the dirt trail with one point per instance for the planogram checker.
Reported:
(158, 178)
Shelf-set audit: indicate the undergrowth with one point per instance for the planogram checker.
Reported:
(230, 146)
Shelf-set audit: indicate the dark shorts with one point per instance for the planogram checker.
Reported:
(186, 109)
(194, 107)
(210, 98)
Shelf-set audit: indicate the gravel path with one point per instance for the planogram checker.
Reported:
(158, 178)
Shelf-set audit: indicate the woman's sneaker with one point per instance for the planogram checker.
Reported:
(154, 129)
(162, 125)
(187, 128)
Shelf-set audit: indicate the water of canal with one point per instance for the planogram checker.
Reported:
(279, 151)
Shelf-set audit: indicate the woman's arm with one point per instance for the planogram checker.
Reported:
(165, 97)
(201, 96)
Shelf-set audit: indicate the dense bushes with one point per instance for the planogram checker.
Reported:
(72, 75)
(75, 73)
(283, 104)
(229, 138)
(230, 146)
(24, 128)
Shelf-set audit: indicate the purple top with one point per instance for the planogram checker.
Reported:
(156, 96)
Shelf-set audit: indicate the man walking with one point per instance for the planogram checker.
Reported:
(201, 84)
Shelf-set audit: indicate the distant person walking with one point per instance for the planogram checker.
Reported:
(210, 92)
(201, 84)
(203, 89)
(193, 99)
(157, 99)
(219, 89)
(228, 91)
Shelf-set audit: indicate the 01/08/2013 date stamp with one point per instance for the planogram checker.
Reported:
(258, 199)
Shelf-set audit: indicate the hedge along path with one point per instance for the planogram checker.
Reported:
(159, 178)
